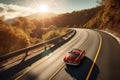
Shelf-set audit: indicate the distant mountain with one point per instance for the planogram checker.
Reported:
(41, 15)
(37, 16)
(73, 19)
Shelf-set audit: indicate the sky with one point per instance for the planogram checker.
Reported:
(14, 8)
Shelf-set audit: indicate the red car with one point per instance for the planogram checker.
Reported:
(74, 57)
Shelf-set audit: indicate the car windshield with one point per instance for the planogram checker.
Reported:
(75, 53)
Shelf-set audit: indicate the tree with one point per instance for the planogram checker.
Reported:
(102, 2)
(25, 24)
(12, 38)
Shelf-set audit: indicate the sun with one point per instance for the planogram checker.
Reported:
(43, 8)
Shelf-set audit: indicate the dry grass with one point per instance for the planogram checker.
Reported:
(53, 33)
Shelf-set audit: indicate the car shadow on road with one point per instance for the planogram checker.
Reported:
(80, 72)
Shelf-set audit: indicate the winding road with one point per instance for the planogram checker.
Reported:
(101, 60)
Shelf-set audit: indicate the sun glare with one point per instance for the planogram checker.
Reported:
(43, 8)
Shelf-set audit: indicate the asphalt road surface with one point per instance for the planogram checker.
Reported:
(109, 59)
(101, 60)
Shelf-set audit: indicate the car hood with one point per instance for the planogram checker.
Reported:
(70, 57)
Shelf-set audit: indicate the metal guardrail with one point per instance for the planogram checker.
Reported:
(26, 50)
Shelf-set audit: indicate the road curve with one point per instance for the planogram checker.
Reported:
(91, 46)
(55, 59)
(84, 39)
(106, 62)
(109, 59)
(52, 67)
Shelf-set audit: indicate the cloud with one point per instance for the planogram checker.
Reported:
(12, 11)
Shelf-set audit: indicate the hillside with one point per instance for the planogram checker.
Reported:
(101, 17)
(22, 33)
(75, 18)
(39, 16)
(108, 17)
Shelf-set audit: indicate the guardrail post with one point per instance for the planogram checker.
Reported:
(45, 47)
(26, 54)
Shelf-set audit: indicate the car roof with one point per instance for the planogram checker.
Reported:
(76, 52)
